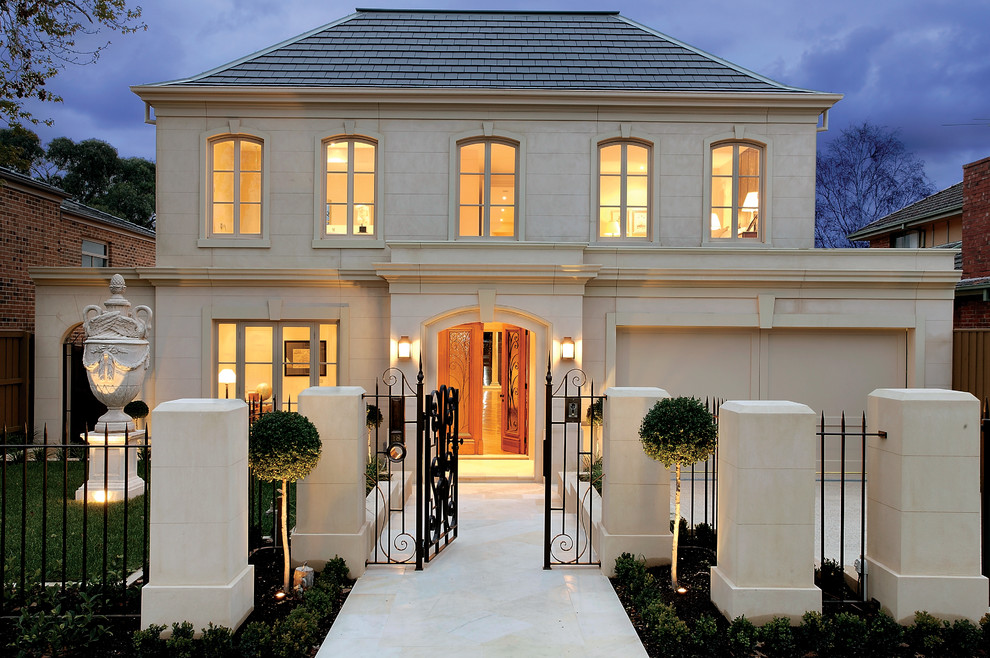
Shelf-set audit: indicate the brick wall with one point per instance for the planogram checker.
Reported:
(971, 313)
(882, 242)
(976, 219)
(34, 233)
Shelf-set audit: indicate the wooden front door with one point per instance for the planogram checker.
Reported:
(460, 367)
(515, 367)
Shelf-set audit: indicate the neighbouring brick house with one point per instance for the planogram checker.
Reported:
(957, 217)
(41, 227)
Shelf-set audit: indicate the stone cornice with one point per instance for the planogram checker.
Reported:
(486, 273)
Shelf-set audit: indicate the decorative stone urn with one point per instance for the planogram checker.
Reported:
(116, 355)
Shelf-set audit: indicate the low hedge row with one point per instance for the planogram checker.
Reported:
(834, 635)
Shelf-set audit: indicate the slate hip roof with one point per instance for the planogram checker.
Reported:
(487, 50)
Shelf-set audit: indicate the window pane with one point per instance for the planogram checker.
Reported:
(250, 218)
(364, 157)
(471, 189)
(608, 223)
(223, 187)
(610, 159)
(223, 218)
(469, 221)
(636, 223)
(636, 191)
(503, 189)
(722, 160)
(95, 248)
(473, 158)
(364, 188)
(609, 193)
(720, 222)
(227, 343)
(749, 161)
(336, 219)
(328, 334)
(503, 159)
(251, 187)
(503, 221)
(337, 188)
(257, 358)
(250, 156)
(637, 159)
(337, 156)
(223, 155)
(721, 191)
(749, 193)
(364, 219)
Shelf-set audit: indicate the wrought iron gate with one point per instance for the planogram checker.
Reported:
(395, 409)
(570, 452)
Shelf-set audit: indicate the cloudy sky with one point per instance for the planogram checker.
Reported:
(919, 66)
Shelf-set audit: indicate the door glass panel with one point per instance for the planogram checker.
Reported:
(297, 363)
(328, 355)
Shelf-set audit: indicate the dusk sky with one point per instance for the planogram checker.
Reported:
(919, 66)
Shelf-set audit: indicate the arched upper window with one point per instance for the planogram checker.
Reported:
(737, 191)
(623, 190)
(350, 170)
(488, 182)
(235, 186)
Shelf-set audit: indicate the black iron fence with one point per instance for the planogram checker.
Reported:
(264, 496)
(700, 483)
(60, 528)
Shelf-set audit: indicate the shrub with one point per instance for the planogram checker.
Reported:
(670, 635)
(148, 643)
(962, 638)
(706, 639)
(704, 535)
(334, 571)
(181, 644)
(373, 418)
(256, 640)
(323, 602)
(985, 627)
(848, 634)
(629, 570)
(296, 634)
(648, 591)
(58, 629)
(831, 577)
(374, 472)
(776, 638)
(924, 636)
(217, 642)
(812, 635)
(742, 637)
(884, 637)
(136, 409)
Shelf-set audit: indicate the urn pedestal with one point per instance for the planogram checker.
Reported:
(113, 470)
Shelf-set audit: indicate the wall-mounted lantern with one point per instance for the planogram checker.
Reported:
(404, 347)
(567, 348)
(227, 377)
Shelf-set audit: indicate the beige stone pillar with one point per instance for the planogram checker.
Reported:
(766, 511)
(635, 489)
(330, 502)
(923, 504)
(199, 516)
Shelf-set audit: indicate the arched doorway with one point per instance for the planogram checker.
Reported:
(489, 362)
(80, 408)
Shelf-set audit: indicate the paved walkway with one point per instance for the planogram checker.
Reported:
(486, 595)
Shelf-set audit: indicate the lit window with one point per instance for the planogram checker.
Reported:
(350, 187)
(487, 185)
(235, 187)
(623, 190)
(94, 254)
(737, 195)
(273, 362)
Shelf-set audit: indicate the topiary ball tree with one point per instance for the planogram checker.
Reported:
(678, 432)
(283, 446)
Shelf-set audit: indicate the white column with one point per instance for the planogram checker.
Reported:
(199, 516)
(923, 504)
(635, 488)
(331, 518)
(766, 511)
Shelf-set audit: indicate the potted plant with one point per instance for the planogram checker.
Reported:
(678, 432)
(283, 446)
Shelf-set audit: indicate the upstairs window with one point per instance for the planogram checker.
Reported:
(350, 187)
(235, 187)
(623, 190)
(909, 240)
(487, 189)
(737, 192)
(94, 254)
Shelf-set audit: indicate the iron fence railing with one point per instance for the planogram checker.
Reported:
(59, 529)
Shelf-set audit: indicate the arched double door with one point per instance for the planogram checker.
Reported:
(489, 364)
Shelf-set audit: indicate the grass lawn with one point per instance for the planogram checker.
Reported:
(48, 512)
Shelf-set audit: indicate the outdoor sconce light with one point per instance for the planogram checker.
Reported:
(567, 348)
(227, 377)
(404, 352)
(396, 429)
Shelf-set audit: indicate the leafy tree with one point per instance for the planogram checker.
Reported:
(678, 432)
(93, 173)
(283, 445)
(40, 37)
(20, 149)
(864, 174)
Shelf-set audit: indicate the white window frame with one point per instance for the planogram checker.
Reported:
(491, 135)
(651, 231)
(320, 239)
(739, 136)
(93, 255)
